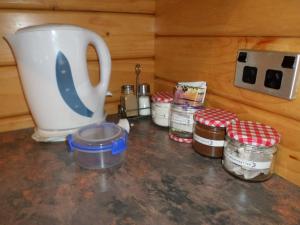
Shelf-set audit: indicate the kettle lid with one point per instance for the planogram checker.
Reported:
(48, 27)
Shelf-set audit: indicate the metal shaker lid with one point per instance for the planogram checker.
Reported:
(144, 89)
(127, 88)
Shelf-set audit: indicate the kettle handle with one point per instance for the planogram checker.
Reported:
(104, 60)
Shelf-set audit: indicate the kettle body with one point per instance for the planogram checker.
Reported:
(52, 63)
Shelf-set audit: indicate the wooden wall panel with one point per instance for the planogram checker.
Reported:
(127, 35)
(11, 93)
(214, 59)
(133, 6)
(123, 71)
(16, 122)
(198, 40)
(228, 17)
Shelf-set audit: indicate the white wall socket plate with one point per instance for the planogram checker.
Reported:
(273, 73)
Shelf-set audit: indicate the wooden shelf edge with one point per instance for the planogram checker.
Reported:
(16, 123)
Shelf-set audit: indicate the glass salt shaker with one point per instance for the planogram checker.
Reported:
(144, 99)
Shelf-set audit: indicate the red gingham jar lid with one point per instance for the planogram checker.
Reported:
(253, 133)
(162, 96)
(214, 117)
(179, 139)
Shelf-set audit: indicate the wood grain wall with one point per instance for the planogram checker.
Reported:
(126, 25)
(198, 40)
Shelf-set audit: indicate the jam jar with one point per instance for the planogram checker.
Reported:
(210, 130)
(182, 122)
(161, 106)
(250, 150)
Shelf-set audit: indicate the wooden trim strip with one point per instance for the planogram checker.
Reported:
(16, 123)
(228, 17)
(126, 6)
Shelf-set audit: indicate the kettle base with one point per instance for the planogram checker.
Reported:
(51, 135)
(41, 135)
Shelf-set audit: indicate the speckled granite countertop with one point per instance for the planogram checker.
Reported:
(161, 182)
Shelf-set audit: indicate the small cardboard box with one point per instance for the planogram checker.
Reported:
(190, 93)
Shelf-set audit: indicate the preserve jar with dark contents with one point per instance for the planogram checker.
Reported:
(250, 150)
(210, 130)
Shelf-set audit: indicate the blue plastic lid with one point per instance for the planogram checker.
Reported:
(99, 137)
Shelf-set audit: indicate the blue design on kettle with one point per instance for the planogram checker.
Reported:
(66, 86)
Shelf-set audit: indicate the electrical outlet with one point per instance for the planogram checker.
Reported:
(273, 73)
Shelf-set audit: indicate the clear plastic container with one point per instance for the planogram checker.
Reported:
(99, 146)
(182, 121)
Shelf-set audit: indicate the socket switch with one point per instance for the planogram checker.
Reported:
(273, 73)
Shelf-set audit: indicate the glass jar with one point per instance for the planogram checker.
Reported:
(161, 107)
(209, 141)
(249, 162)
(182, 121)
(210, 130)
(160, 113)
(250, 151)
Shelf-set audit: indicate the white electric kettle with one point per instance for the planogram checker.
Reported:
(52, 64)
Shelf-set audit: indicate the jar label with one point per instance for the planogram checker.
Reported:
(182, 122)
(247, 163)
(162, 106)
(160, 113)
(209, 142)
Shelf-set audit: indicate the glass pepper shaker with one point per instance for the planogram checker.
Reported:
(128, 100)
